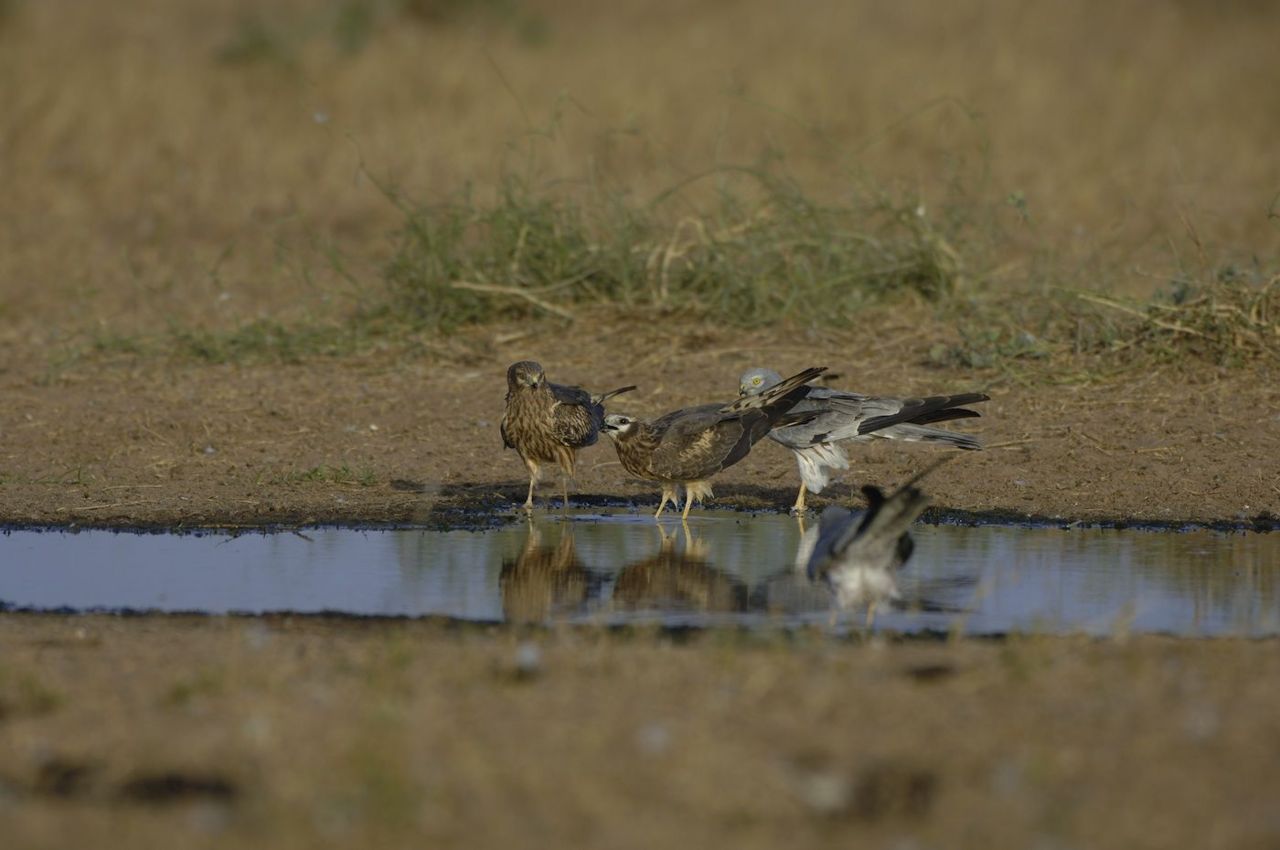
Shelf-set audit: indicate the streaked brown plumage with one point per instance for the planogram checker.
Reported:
(675, 578)
(543, 580)
(686, 447)
(548, 423)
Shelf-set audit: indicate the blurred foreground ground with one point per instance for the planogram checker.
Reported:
(316, 733)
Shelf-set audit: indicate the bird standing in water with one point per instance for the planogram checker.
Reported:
(547, 423)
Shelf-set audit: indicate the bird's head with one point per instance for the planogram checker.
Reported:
(526, 373)
(756, 381)
(616, 425)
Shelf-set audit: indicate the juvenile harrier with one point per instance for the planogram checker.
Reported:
(857, 554)
(840, 415)
(546, 422)
(686, 447)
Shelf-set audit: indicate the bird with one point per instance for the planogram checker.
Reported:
(685, 447)
(547, 423)
(840, 415)
(857, 553)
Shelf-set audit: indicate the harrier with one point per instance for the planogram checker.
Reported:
(839, 416)
(857, 554)
(548, 423)
(686, 447)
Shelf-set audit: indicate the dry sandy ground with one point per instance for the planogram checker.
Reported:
(387, 437)
(314, 733)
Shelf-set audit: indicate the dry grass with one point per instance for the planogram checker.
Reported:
(160, 167)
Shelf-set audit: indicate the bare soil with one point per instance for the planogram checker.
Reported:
(316, 733)
(387, 437)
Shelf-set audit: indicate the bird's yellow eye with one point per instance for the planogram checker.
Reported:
(755, 382)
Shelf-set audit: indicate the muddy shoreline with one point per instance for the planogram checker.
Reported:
(146, 442)
(467, 515)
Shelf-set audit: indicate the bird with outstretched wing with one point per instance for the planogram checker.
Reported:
(684, 448)
(839, 416)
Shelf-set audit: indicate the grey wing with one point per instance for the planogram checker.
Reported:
(833, 523)
(921, 411)
(881, 539)
(847, 416)
(839, 416)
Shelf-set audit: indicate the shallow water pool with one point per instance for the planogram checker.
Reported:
(614, 567)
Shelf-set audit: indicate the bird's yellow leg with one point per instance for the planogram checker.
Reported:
(662, 503)
(565, 504)
(533, 479)
(798, 507)
(688, 503)
(871, 615)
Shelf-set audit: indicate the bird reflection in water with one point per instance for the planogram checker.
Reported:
(545, 580)
(678, 578)
(858, 554)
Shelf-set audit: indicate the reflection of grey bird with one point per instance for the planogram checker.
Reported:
(681, 579)
(543, 580)
(850, 416)
(857, 554)
(548, 423)
(688, 446)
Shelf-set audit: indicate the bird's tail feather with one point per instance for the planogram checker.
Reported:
(912, 433)
(939, 408)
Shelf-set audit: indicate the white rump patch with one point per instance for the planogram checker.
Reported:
(816, 463)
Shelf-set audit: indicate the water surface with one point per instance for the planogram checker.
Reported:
(620, 567)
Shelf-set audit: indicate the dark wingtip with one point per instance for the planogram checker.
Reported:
(874, 495)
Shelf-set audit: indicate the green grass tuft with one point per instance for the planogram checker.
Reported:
(268, 340)
(758, 255)
(364, 476)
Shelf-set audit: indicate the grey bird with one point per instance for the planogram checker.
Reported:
(857, 553)
(686, 447)
(840, 416)
(548, 423)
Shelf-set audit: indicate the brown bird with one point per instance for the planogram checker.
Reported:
(548, 423)
(686, 447)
